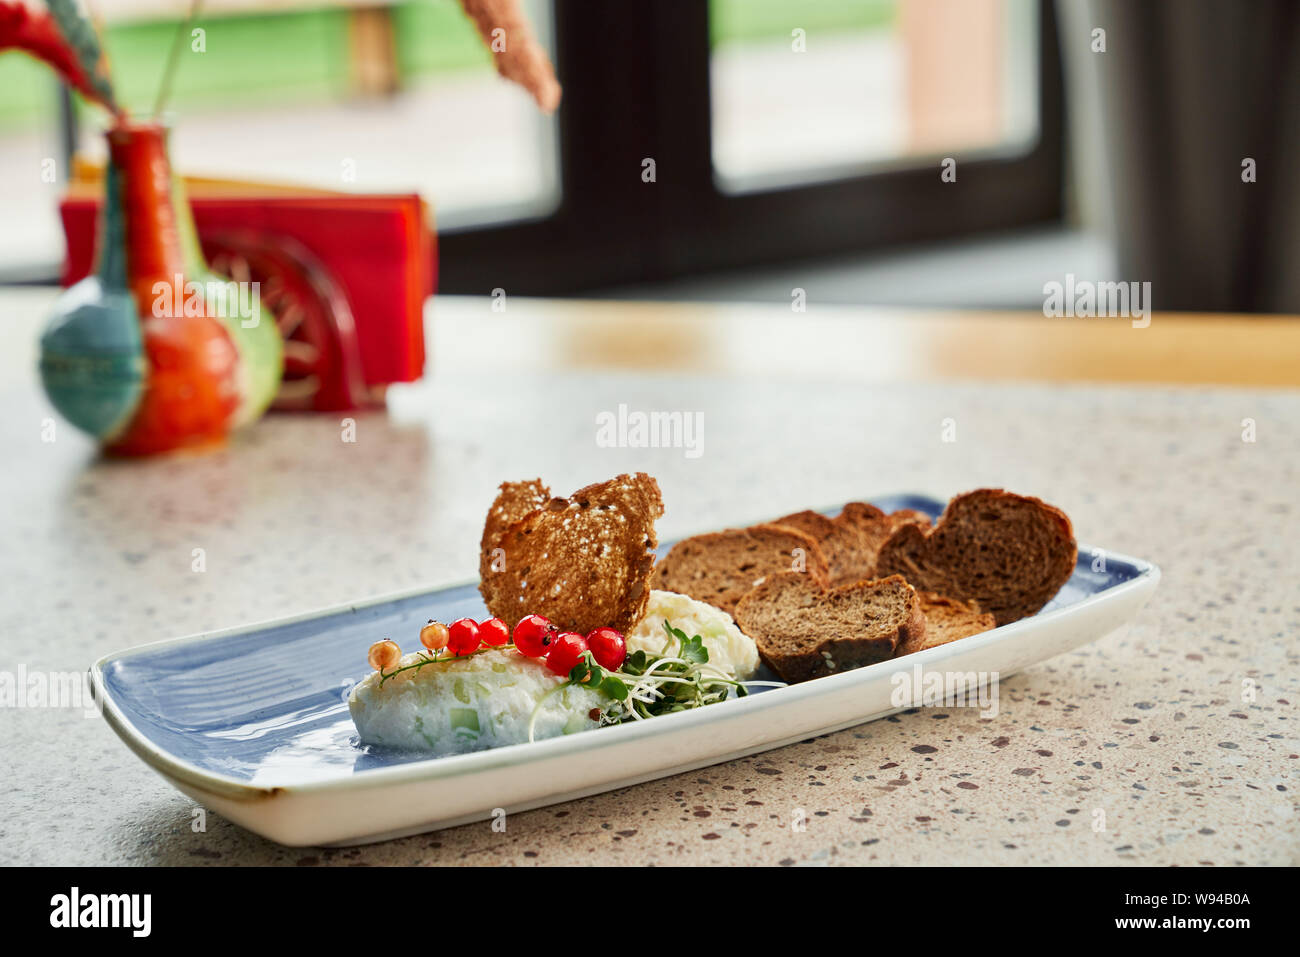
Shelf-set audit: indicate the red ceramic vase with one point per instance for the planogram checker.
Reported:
(191, 387)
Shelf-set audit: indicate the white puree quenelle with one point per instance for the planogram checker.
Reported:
(729, 648)
(469, 704)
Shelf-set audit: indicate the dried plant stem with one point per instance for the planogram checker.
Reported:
(173, 57)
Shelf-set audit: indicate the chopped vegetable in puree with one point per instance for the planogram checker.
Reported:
(473, 703)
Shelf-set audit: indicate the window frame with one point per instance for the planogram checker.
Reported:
(637, 85)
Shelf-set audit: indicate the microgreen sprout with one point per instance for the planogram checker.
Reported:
(647, 685)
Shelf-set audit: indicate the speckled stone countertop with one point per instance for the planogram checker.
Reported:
(1179, 729)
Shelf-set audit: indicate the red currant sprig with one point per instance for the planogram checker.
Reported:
(534, 637)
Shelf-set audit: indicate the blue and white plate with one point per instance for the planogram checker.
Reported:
(252, 722)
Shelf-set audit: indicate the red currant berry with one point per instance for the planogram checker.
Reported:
(608, 648)
(462, 637)
(566, 651)
(493, 632)
(533, 636)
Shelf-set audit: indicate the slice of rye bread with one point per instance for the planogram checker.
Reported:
(813, 524)
(721, 567)
(946, 619)
(1010, 553)
(582, 561)
(852, 540)
(804, 630)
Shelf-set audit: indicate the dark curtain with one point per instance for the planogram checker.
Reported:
(1186, 90)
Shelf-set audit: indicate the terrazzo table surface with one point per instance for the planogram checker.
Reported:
(1178, 731)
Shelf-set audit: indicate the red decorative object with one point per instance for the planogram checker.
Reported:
(322, 353)
(37, 33)
(356, 271)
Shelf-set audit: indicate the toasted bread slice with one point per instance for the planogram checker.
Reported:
(1010, 553)
(804, 630)
(946, 619)
(582, 561)
(852, 540)
(721, 567)
(813, 524)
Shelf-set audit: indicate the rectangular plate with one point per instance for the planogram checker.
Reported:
(252, 722)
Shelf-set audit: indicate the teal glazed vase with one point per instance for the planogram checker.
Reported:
(136, 355)
(93, 365)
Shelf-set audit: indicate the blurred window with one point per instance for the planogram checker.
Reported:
(811, 92)
(692, 135)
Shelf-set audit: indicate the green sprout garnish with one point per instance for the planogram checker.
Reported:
(647, 685)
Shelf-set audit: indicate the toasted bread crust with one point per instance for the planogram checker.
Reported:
(1010, 553)
(582, 561)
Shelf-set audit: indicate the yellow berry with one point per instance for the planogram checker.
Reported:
(384, 655)
(434, 636)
